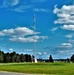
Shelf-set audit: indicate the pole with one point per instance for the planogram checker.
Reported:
(35, 60)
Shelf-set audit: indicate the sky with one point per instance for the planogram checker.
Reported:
(54, 27)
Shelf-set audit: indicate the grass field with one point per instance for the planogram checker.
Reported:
(39, 68)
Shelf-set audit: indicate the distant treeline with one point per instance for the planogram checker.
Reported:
(15, 57)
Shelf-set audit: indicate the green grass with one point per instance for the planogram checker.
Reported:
(39, 68)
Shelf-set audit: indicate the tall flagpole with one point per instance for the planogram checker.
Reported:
(35, 60)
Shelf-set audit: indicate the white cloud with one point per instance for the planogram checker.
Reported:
(22, 34)
(65, 16)
(39, 53)
(11, 49)
(7, 32)
(69, 36)
(15, 5)
(54, 29)
(7, 3)
(64, 21)
(2, 34)
(18, 6)
(19, 31)
(21, 8)
(28, 39)
(63, 52)
(66, 45)
(41, 10)
(28, 50)
(65, 10)
(68, 27)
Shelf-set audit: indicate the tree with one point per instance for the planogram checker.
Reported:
(26, 57)
(51, 59)
(17, 58)
(7, 57)
(29, 58)
(68, 60)
(13, 56)
(1, 56)
(22, 58)
(33, 58)
(72, 58)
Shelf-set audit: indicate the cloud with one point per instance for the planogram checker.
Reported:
(21, 8)
(39, 53)
(15, 5)
(25, 50)
(19, 31)
(65, 16)
(54, 29)
(68, 27)
(11, 49)
(28, 39)
(28, 50)
(69, 36)
(71, 41)
(18, 6)
(22, 34)
(64, 48)
(66, 45)
(64, 52)
(7, 3)
(40, 10)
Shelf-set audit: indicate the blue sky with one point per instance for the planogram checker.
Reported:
(54, 27)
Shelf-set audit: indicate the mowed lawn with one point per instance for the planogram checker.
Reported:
(57, 68)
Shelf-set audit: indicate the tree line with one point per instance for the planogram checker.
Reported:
(15, 57)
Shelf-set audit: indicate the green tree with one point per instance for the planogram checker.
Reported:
(7, 57)
(26, 57)
(51, 59)
(33, 58)
(22, 58)
(12, 56)
(29, 58)
(1, 56)
(17, 59)
(72, 58)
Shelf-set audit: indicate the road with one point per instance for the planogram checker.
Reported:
(11, 73)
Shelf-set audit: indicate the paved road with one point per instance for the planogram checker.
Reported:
(9, 73)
